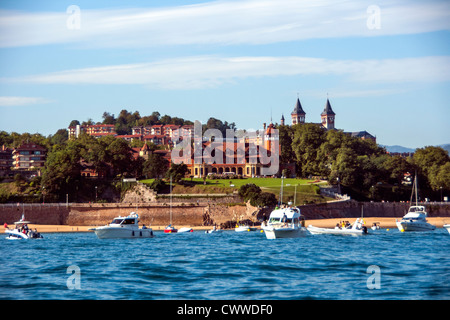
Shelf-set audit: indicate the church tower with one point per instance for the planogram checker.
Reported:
(298, 115)
(282, 120)
(328, 116)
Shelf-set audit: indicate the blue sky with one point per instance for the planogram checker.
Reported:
(385, 65)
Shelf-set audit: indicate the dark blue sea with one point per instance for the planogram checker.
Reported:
(384, 265)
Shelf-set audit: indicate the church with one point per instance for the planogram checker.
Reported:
(328, 120)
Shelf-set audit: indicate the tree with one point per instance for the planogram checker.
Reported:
(155, 166)
(286, 135)
(177, 172)
(307, 140)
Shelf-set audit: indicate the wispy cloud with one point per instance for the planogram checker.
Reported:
(9, 101)
(222, 22)
(199, 72)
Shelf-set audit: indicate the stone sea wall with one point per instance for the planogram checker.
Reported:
(196, 212)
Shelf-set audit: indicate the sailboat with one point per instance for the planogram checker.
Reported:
(416, 218)
(170, 228)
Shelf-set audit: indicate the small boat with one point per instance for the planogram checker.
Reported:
(170, 229)
(243, 228)
(213, 230)
(285, 223)
(182, 230)
(123, 227)
(416, 218)
(356, 229)
(447, 227)
(21, 231)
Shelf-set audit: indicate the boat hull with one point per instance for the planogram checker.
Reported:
(122, 233)
(447, 227)
(183, 230)
(244, 228)
(414, 226)
(16, 235)
(286, 232)
(354, 232)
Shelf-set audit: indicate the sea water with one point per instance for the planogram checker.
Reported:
(228, 265)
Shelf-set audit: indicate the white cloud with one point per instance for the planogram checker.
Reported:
(222, 22)
(211, 71)
(9, 101)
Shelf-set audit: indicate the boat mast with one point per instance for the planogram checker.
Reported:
(170, 199)
(281, 191)
(415, 181)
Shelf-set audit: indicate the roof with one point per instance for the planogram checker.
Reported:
(31, 146)
(361, 134)
(327, 110)
(298, 108)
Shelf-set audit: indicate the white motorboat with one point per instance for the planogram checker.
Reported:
(21, 231)
(213, 230)
(285, 223)
(447, 227)
(243, 228)
(187, 229)
(123, 227)
(358, 228)
(416, 218)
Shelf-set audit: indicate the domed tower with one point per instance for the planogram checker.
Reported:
(298, 115)
(328, 116)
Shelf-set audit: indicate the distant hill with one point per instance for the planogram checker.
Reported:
(401, 149)
(398, 149)
(445, 147)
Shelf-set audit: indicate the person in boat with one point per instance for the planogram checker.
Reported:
(284, 219)
(144, 227)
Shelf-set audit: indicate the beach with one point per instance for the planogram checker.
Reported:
(383, 222)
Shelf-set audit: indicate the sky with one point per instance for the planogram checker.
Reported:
(384, 65)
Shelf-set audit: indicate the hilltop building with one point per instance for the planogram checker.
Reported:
(328, 120)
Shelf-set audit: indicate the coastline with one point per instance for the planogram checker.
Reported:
(385, 223)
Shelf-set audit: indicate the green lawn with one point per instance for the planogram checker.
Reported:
(260, 182)
(299, 190)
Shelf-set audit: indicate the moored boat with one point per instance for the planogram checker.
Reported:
(285, 223)
(213, 230)
(416, 218)
(358, 228)
(123, 227)
(186, 229)
(243, 228)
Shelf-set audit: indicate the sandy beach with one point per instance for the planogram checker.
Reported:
(386, 223)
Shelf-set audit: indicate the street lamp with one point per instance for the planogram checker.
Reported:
(95, 193)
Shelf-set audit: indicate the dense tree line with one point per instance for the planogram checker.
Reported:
(362, 166)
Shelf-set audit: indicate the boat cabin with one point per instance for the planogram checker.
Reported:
(132, 219)
(286, 216)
